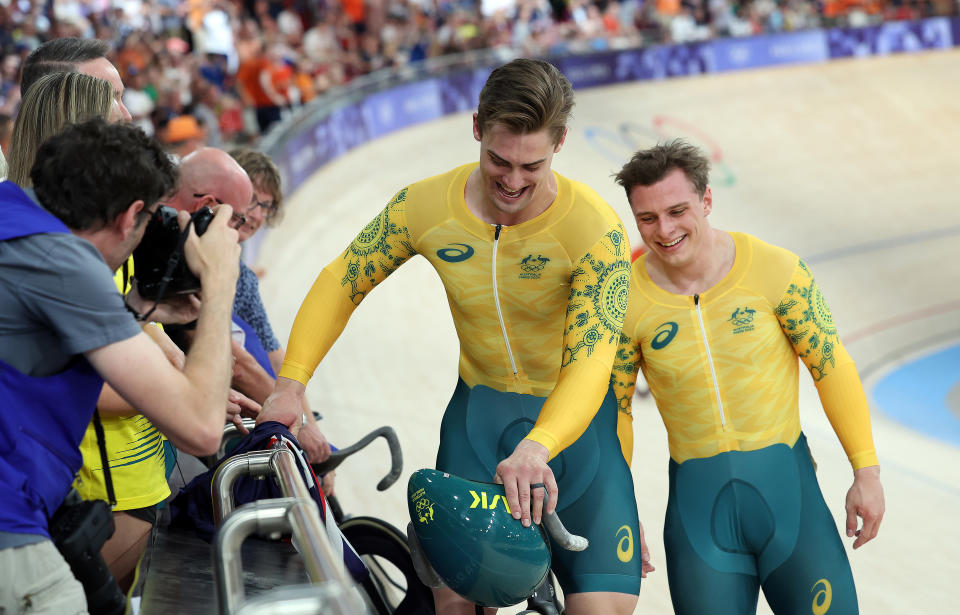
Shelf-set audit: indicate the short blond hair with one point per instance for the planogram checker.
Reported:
(526, 96)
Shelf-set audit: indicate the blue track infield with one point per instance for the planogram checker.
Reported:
(915, 394)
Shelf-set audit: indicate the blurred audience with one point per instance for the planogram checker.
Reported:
(235, 67)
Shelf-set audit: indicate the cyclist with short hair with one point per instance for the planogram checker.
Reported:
(536, 269)
(716, 322)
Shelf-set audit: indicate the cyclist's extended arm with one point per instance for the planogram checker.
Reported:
(380, 248)
(591, 332)
(598, 291)
(806, 320)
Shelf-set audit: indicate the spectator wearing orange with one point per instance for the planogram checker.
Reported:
(184, 135)
(263, 82)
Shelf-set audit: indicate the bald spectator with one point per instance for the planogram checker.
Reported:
(209, 176)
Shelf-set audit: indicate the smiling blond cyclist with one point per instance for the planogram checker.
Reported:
(536, 269)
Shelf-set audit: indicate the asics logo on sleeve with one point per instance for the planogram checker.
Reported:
(665, 334)
(455, 255)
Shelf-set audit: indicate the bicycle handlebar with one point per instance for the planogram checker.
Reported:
(396, 455)
(337, 457)
(563, 537)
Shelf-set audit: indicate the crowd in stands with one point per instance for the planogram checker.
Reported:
(222, 71)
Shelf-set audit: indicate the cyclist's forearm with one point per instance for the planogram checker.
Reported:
(320, 321)
(572, 405)
(845, 405)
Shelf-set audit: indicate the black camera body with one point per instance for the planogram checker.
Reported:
(160, 258)
(78, 529)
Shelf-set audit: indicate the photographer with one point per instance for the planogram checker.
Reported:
(64, 329)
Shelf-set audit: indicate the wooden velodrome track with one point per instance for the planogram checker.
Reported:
(851, 164)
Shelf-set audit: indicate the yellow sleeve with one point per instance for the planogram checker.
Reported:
(623, 379)
(380, 248)
(599, 287)
(806, 319)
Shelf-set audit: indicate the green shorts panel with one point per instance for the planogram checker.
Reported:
(739, 521)
(482, 426)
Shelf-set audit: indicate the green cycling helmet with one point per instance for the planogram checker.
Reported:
(467, 534)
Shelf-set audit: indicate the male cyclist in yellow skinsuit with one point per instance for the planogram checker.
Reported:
(716, 322)
(536, 269)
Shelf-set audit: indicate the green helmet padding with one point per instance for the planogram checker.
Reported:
(473, 542)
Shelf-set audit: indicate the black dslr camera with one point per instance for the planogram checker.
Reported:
(161, 268)
(79, 528)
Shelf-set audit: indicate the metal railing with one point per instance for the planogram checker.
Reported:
(296, 512)
(294, 600)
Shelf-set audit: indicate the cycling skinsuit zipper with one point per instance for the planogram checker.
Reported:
(713, 371)
(496, 299)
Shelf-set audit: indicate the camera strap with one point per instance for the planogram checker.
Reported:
(168, 274)
(102, 445)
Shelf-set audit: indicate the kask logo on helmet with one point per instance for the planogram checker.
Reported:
(481, 500)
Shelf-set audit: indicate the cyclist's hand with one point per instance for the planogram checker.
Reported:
(526, 466)
(314, 443)
(285, 405)
(644, 555)
(865, 500)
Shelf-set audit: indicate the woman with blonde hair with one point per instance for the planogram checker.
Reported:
(52, 103)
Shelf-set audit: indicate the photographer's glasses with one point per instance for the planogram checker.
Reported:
(237, 217)
(269, 209)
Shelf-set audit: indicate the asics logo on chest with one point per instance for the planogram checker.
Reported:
(456, 254)
(665, 334)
